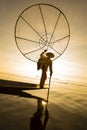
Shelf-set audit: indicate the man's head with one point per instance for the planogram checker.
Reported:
(49, 54)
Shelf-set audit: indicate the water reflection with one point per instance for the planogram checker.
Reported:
(40, 118)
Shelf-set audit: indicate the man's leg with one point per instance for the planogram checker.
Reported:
(43, 78)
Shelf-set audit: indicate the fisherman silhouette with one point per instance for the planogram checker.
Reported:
(37, 122)
(43, 63)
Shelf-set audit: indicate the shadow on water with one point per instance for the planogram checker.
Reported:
(39, 119)
(60, 118)
(16, 88)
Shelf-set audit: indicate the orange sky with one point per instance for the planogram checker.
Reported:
(74, 60)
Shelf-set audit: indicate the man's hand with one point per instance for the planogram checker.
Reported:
(45, 50)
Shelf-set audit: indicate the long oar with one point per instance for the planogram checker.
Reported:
(48, 91)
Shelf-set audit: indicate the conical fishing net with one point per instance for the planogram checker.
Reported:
(42, 27)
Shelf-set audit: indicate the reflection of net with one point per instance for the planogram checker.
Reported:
(41, 27)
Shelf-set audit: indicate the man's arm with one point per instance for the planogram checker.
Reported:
(50, 67)
(43, 53)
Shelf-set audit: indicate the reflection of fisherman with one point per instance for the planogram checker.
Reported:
(36, 122)
(43, 63)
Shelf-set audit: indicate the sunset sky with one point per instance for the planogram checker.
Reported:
(74, 60)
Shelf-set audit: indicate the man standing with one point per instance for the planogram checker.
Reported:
(44, 63)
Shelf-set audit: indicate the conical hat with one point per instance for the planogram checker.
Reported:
(50, 54)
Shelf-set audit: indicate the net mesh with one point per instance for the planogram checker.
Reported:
(41, 27)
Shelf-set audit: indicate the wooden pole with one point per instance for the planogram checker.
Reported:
(48, 91)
